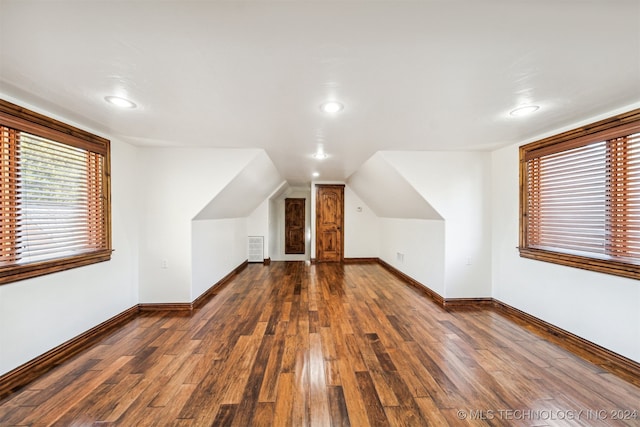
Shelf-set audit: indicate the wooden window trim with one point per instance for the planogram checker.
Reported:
(22, 119)
(622, 124)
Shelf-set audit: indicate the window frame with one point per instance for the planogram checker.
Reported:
(22, 119)
(606, 129)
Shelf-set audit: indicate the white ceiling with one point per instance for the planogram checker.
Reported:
(420, 75)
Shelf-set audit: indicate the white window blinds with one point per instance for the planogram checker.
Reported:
(580, 196)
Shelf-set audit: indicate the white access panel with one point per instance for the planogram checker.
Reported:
(256, 248)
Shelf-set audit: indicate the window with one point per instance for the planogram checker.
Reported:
(54, 195)
(580, 197)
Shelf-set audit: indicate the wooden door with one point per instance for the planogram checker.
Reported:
(294, 226)
(329, 222)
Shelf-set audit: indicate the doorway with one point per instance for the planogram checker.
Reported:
(294, 214)
(329, 223)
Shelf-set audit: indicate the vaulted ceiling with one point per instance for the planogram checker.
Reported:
(412, 75)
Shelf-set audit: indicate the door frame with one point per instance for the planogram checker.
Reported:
(315, 222)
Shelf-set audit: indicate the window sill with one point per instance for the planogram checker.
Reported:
(615, 268)
(14, 273)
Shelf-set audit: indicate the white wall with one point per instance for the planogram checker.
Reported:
(598, 307)
(177, 183)
(415, 247)
(39, 314)
(361, 228)
(218, 247)
(457, 185)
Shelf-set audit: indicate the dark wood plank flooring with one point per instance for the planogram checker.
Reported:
(292, 344)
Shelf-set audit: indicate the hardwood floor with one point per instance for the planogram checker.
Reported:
(291, 344)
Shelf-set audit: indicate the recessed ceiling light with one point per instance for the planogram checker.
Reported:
(524, 110)
(120, 102)
(320, 155)
(315, 174)
(331, 107)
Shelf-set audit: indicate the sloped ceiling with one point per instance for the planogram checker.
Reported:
(387, 193)
(253, 184)
(412, 75)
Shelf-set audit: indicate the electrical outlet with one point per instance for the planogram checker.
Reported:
(163, 263)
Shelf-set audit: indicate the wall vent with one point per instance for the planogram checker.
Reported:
(256, 248)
